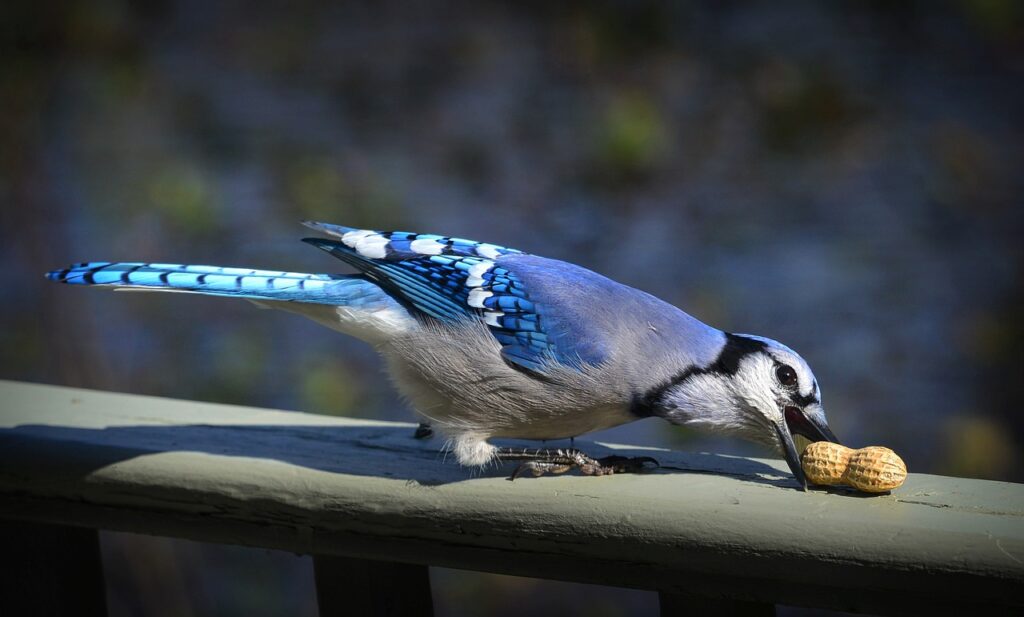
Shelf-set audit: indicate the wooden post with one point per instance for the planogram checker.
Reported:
(677, 605)
(347, 586)
(51, 570)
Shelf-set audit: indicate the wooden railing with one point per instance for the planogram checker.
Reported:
(375, 507)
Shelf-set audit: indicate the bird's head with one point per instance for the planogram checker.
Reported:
(757, 389)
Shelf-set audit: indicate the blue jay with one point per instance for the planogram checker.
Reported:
(487, 341)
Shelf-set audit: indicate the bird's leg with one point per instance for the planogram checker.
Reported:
(540, 461)
(423, 431)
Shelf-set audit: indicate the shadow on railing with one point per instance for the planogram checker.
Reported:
(342, 449)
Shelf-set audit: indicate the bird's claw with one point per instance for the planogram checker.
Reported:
(561, 461)
(539, 468)
(621, 464)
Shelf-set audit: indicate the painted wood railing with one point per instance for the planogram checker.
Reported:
(375, 507)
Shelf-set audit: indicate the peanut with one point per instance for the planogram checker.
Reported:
(824, 462)
(873, 469)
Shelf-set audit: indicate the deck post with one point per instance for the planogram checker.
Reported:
(348, 586)
(52, 570)
(678, 605)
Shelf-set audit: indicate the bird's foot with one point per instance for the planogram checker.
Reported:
(423, 431)
(555, 461)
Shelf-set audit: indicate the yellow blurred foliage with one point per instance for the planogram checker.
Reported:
(184, 196)
(978, 447)
(328, 387)
(634, 135)
(316, 186)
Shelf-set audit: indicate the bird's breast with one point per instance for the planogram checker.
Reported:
(456, 378)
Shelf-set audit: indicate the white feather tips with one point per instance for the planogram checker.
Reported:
(476, 273)
(426, 246)
(477, 296)
(373, 246)
(351, 238)
(490, 251)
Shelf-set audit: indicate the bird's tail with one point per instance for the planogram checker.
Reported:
(349, 303)
(217, 281)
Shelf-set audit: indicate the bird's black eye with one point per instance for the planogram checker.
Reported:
(786, 375)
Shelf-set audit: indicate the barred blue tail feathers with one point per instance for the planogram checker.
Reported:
(217, 281)
(349, 303)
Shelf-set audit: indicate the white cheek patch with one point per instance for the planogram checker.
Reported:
(804, 379)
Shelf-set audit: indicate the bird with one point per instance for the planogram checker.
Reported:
(489, 342)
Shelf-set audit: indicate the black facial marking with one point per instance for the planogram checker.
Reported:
(727, 363)
(803, 400)
(642, 405)
(736, 348)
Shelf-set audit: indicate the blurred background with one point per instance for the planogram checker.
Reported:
(844, 177)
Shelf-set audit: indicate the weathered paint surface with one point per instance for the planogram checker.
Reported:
(707, 524)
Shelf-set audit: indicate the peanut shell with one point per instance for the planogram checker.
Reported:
(875, 470)
(825, 462)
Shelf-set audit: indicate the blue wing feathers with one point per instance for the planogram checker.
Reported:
(430, 286)
(402, 245)
(524, 357)
(451, 279)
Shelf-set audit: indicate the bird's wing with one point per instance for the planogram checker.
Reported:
(452, 279)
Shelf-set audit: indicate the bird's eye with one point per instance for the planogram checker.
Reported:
(786, 375)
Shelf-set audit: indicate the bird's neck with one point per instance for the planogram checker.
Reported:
(704, 401)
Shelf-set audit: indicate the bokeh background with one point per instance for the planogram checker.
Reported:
(845, 177)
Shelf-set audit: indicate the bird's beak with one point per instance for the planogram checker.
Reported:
(810, 427)
(792, 456)
(796, 422)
